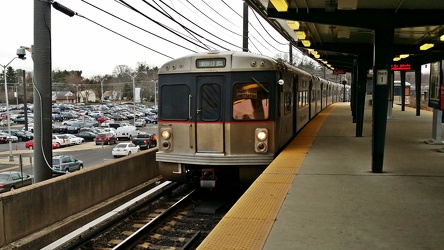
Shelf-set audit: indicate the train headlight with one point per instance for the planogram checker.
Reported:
(166, 134)
(166, 138)
(261, 140)
(262, 135)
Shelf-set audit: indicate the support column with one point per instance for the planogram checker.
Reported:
(361, 73)
(417, 68)
(381, 77)
(41, 54)
(402, 90)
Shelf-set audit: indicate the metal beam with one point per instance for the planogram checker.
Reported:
(365, 18)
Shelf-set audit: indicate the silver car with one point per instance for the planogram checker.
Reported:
(11, 180)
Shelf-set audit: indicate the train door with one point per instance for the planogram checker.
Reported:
(209, 116)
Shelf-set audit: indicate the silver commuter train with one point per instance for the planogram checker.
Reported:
(224, 116)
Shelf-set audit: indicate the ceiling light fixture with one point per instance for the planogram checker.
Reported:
(280, 5)
(294, 25)
(301, 34)
(306, 43)
(426, 46)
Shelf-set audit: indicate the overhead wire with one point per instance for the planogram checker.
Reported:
(158, 52)
(220, 25)
(195, 38)
(160, 24)
(138, 27)
(201, 29)
(187, 30)
(171, 2)
(251, 37)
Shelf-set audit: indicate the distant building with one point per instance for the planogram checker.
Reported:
(111, 95)
(87, 96)
(63, 97)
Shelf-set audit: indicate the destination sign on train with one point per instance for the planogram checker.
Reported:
(211, 63)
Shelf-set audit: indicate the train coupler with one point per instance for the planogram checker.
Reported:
(208, 178)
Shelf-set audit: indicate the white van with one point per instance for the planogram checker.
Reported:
(127, 132)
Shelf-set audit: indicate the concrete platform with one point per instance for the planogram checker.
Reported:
(335, 202)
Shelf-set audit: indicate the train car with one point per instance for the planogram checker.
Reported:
(397, 93)
(224, 116)
(315, 96)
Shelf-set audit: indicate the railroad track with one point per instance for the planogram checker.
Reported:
(179, 217)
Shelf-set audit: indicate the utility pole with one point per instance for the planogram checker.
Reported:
(41, 54)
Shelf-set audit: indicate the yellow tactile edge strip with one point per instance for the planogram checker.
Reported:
(249, 221)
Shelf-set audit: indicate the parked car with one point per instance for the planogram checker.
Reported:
(152, 119)
(145, 140)
(62, 140)
(87, 135)
(11, 138)
(110, 131)
(140, 122)
(127, 132)
(4, 138)
(74, 140)
(30, 145)
(65, 164)
(105, 138)
(4, 123)
(11, 180)
(61, 129)
(124, 149)
(21, 135)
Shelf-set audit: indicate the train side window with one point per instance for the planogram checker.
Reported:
(174, 102)
(251, 101)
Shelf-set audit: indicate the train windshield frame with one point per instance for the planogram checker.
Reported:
(251, 101)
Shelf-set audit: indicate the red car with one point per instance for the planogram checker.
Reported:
(30, 145)
(105, 138)
(4, 139)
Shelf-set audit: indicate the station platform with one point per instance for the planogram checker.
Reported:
(320, 193)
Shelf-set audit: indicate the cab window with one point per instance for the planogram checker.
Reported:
(251, 101)
(174, 102)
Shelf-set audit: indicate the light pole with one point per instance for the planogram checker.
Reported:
(155, 92)
(133, 76)
(20, 54)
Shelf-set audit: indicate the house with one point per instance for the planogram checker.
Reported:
(111, 95)
(87, 96)
(63, 97)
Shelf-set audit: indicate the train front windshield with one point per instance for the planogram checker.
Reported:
(172, 95)
(250, 101)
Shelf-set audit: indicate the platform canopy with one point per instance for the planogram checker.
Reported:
(339, 30)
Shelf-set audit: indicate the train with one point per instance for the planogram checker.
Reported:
(223, 116)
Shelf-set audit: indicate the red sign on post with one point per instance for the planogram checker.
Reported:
(401, 67)
(338, 72)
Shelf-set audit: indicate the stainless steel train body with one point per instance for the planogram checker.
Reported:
(224, 116)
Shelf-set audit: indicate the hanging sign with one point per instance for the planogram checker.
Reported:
(401, 67)
(382, 77)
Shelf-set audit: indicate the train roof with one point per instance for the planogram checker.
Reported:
(223, 61)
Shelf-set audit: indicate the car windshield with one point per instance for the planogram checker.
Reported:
(55, 161)
(101, 135)
(4, 177)
(121, 146)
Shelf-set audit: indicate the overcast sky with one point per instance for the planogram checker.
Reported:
(80, 44)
